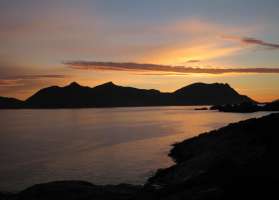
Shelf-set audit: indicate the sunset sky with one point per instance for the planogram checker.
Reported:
(160, 44)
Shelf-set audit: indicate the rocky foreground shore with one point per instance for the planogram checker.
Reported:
(239, 161)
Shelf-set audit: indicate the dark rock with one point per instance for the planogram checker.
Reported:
(78, 190)
(247, 107)
(7, 196)
(273, 106)
(10, 103)
(203, 108)
(237, 161)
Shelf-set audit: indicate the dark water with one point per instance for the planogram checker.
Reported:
(103, 146)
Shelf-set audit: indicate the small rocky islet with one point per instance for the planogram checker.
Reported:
(247, 107)
(239, 161)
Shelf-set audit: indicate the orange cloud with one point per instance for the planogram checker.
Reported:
(10, 81)
(179, 54)
(115, 66)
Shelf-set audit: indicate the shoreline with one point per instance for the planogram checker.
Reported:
(112, 107)
(197, 161)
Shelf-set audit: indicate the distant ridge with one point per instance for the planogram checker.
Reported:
(112, 95)
(6, 102)
(209, 94)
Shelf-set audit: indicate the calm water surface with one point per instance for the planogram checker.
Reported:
(103, 146)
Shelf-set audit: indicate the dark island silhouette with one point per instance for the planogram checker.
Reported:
(111, 95)
(247, 107)
(239, 161)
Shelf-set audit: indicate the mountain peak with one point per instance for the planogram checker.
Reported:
(74, 84)
(107, 84)
(205, 86)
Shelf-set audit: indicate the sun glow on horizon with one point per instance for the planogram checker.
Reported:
(38, 37)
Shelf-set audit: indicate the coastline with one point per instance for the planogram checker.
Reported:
(206, 166)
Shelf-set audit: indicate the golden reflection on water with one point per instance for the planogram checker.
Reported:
(98, 145)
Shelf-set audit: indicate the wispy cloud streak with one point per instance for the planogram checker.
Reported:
(252, 41)
(117, 66)
(10, 81)
(193, 61)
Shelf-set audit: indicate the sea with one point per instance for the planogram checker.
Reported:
(99, 145)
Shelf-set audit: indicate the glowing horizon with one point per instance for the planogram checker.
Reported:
(92, 42)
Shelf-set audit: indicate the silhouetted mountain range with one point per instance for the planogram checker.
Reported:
(111, 95)
(6, 102)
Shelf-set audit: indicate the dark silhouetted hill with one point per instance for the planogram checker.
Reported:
(111, 95)
(273, 106)
(6, 102)
(209, 94)
(105, 95)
